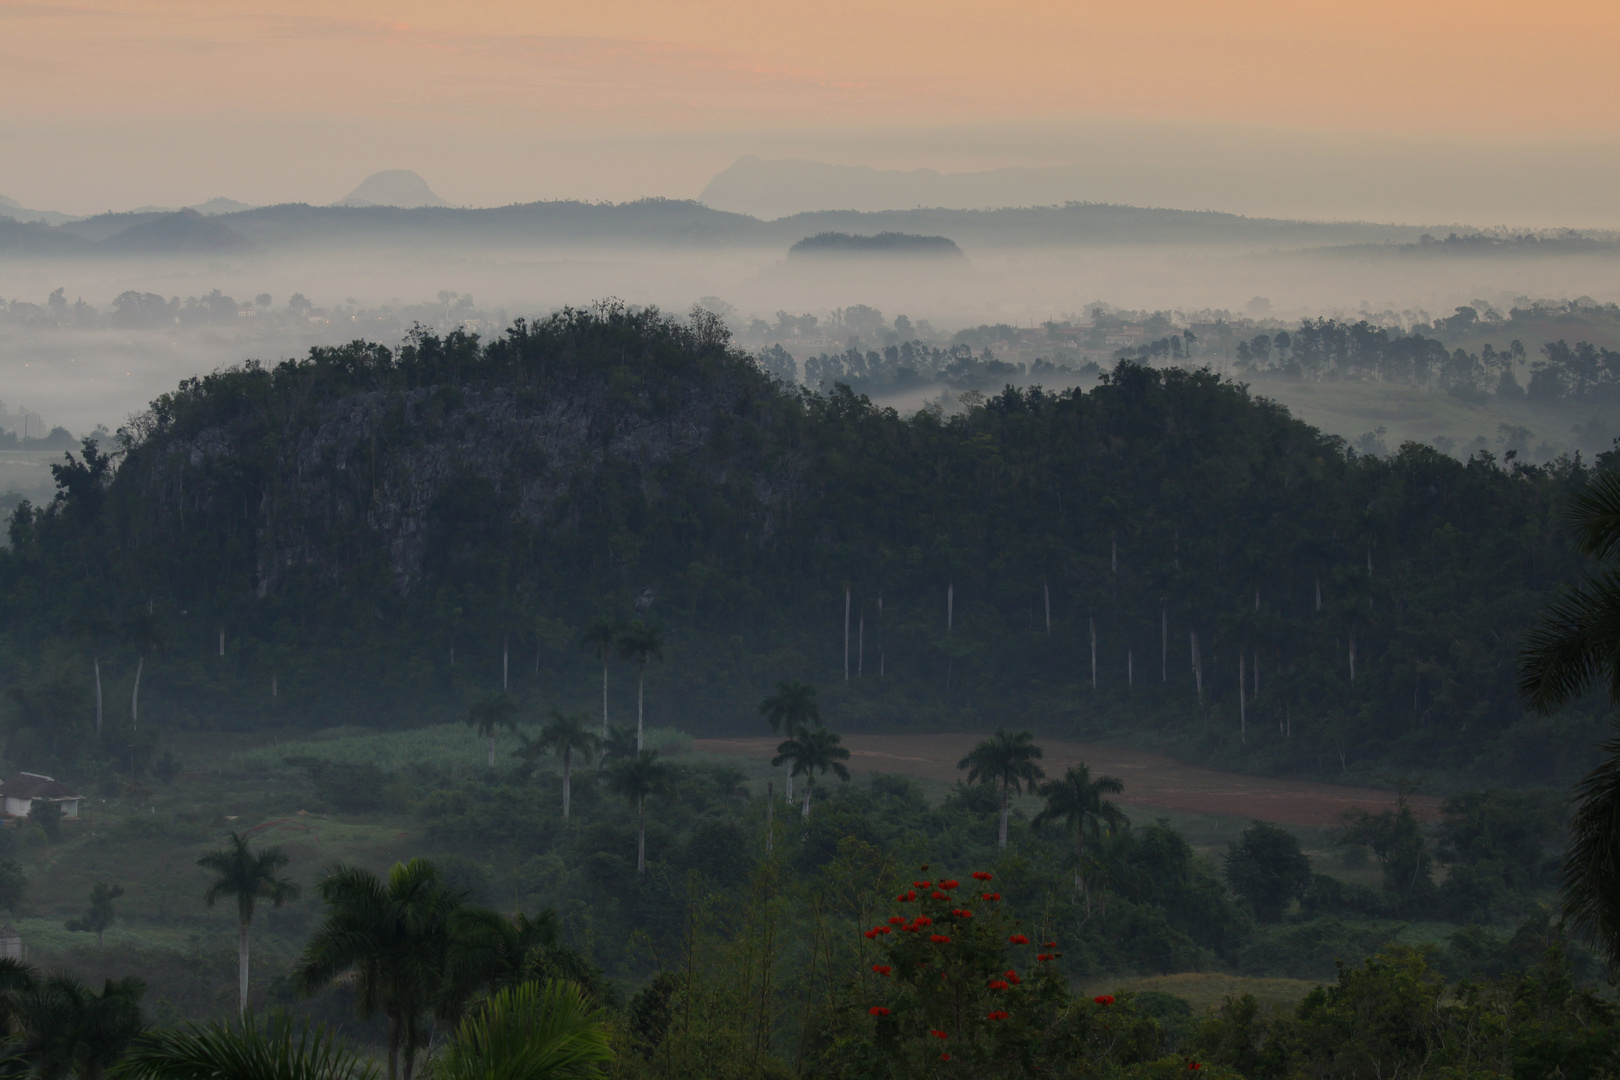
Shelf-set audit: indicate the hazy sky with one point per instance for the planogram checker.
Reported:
(113, 103)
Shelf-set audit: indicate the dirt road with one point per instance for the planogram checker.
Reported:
(1151, 780)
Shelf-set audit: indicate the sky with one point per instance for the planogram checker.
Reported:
(108, 104)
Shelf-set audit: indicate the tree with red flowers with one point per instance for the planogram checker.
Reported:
(1008, 760)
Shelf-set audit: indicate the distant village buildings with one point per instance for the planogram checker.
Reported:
(21, 790)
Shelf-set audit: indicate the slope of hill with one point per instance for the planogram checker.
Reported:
(381, 536)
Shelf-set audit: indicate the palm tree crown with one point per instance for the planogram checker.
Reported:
(634, 779)
(1076, 799)
(602, 637)
(391, 940)
(791, 711)
(567, 735)
(249, 876)
(810, 752)
(1575, 643)
(491, 713)
(641, 642)
(1008, 760)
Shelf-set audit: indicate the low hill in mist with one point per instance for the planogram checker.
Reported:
(888, 245)
(380, 535)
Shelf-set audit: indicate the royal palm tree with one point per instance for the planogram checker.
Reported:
(641, 642)
(1575, 643)
(620, 745)
(213, 1051)
(145, 631)
(566, 736)
(1008, 760)
(602, 637)
(62, 1029)
(791, 711)
(1076, 799)
(489, 714)
(390, 941)
(529, 1032)
(813, 751)
(634, 780)
(249, 876)
(96, 628)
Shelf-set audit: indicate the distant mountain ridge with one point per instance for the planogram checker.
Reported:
(679, 223)
(392, 187)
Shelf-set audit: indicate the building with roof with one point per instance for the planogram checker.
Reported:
(11, 944)
(20, 790)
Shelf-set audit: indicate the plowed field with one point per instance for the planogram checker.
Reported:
(1151, 780)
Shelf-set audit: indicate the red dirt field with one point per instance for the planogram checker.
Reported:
(1151, 780)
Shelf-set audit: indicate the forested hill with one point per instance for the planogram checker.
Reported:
(373, 534)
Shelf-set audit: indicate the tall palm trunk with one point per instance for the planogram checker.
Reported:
(641, 697)
(641, 840)
(492, 749)
(568, 770)
(96, 661)
(1002, 836)
(135, 695)
(242, 968)
(808, 788)
(1080, 864)
(604, 697)
(393, 1043)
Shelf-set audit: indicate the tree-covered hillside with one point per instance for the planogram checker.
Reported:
(378, 537)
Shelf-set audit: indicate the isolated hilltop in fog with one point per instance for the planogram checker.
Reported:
(883, 245)
(778, 188)
(392, 187)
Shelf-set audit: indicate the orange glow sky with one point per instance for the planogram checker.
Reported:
(264, 97)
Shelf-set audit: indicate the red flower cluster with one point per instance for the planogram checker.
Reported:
(939, 939)
(1019, 939)
(949, 884)
(980, 875)
(882, 969)
(938, 1034)
(1043, 958)
(1051, 944)
(945, 1056)
(962, 913)
(939, 895)
(997, 984)
(870, 934)
(876, 930)
(878, 1010)
(1104, 999)
(999, 1014)
(906, 897)
(923, 884)
(897, 920)
(990, 896)
(1012, 977)
(923, 920)
(1194, 1065)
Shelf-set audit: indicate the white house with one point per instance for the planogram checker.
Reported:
(21, 789)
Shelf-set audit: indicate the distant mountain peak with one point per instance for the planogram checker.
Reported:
(392, 187)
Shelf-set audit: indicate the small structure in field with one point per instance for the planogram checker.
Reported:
(20, 790)
(11, 943)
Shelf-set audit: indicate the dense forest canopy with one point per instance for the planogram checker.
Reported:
(377, 536)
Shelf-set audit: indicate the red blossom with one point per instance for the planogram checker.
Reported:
(1019, 939)
(951, 884)
(1043, 958)
(882, 969)
(897, 920)
(1012, 977)
(999, 1014)
(990, 896)
(1104, 999)
(1194, 1065)
(1051, 944)
(870, 934)
(923, 920)
(939, 939)
(962, 913)
(878, 1010)
(923, 884)
(902, 898)
(980, 875)
(883, 929)
(937, 895)
(938, 1034)
(946, 1056)
(998, 984)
